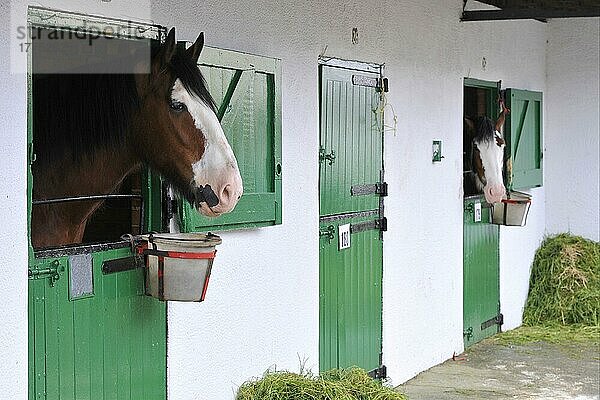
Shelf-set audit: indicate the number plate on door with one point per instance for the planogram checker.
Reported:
(478, 212)
(344, 236)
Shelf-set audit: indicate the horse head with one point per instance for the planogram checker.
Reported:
(487, 158)
(177, 131)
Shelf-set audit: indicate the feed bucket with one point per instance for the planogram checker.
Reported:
(178, 265)
(512, 211)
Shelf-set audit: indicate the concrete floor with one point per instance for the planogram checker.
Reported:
(534, 371)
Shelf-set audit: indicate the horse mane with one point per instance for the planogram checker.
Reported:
(485, 130)
(186, 69)
(76, 114)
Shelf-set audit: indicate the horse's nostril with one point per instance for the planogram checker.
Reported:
(226, 195)
(229, 195)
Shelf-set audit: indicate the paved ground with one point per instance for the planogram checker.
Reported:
(534, 371)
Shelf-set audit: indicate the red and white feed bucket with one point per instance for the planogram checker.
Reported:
(512, 211)
(178, 265)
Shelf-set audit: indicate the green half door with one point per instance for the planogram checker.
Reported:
(481, 269)
(107, 344)
(247, 92)
(350, 278)
(524, 139)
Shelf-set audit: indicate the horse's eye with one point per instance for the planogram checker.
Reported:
(176, 105)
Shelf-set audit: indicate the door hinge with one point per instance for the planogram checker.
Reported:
(379, 373)
(380, 224)
(51, 271)
(123, 264)
(497, 320)
(381, 84)
(380, 188)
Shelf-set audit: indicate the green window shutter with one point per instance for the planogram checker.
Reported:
(523, 131)
(247, 91)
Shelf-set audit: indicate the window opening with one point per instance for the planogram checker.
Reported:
(478, 100)
(68, 75)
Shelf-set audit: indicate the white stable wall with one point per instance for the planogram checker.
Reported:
(244, 328)
(261, 309)
(13, 219)
(572, 157)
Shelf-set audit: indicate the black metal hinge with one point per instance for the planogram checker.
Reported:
(380, 224)
(497, 320)
(380, 188)
(122, 264)
(379, 373)
(381, 84)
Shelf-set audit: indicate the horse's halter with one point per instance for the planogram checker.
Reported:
(205, 194)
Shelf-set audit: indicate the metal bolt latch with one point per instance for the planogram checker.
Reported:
(468, 333)
(51, 272)
(324, 156)
(328, 232)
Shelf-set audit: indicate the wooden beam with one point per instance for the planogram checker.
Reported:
(533, 13)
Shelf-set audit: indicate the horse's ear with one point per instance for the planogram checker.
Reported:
(167, 49)
(194, 51)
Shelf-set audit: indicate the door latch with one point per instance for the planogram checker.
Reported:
(468, 333)
(50, 271)
(324, 156)
(328, 233)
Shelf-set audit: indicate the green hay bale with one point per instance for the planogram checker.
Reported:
(565, 282)
(342, 384)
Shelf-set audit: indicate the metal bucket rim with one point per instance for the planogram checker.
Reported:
(184, 239)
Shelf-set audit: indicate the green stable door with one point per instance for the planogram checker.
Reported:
(93, 333)
(351, 220)
(481, 261)
(481, 269)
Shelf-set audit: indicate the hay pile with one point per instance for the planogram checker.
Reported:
(344, 384)
(565, 283)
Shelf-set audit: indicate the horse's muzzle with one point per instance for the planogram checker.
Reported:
(205, 194)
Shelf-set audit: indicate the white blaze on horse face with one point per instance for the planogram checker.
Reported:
(491, 158)
(218, 166)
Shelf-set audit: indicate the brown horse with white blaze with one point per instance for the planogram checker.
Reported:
(92, 130)
(487, 155)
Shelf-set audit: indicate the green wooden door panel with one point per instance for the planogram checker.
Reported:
(523, 131)
(350, 303)
(350, 299)
(350, 128)
(481, 290)
(246, 91)
(109, 345)
(253, 209)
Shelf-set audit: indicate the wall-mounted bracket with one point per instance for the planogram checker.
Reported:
(436, 151)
